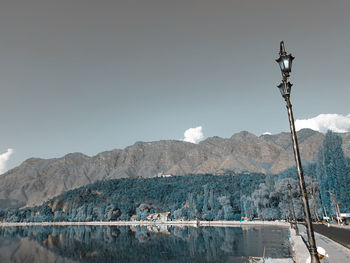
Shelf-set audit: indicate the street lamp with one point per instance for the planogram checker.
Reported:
(285, 63)
(295, 225)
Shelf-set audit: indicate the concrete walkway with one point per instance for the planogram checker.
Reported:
(337, 253)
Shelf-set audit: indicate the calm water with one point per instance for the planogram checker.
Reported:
(140, 244)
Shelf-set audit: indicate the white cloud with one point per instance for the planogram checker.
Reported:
(324, 122)
(4, 158)
(194, 135)
(267, 133)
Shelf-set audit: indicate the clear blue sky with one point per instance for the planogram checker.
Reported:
(88, 76)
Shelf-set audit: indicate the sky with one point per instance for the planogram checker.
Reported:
(89, 76)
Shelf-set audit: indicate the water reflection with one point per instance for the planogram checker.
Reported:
(140, 244)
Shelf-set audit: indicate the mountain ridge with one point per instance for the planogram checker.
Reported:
(37, 180)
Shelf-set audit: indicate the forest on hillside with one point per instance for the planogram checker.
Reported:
(205, 197)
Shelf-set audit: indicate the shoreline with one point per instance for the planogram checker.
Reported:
(148, 223)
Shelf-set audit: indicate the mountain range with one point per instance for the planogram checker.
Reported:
(37, 180)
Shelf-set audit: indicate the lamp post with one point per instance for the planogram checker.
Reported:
(295, 225)
(285, 63)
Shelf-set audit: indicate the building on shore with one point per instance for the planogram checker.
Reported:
(159, 217)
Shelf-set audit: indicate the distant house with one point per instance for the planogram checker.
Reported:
(163, 175)
(345, 217)
(159, 217)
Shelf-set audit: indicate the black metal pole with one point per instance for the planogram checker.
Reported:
(309, 228)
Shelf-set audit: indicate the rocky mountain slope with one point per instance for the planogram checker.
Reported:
(37, 180)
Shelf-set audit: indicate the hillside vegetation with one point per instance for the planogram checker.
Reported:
(207, 197)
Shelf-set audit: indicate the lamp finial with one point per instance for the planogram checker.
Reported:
(282, 49)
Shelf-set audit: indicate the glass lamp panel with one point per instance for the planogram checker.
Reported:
(289, 63)
(286, 64)
(280, 63)
(281, 88)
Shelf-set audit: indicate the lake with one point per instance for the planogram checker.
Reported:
(64, 244)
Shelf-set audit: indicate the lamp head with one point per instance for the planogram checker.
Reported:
(285, 88)
(284, 61)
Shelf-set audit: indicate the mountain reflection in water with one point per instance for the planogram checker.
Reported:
(140, 244)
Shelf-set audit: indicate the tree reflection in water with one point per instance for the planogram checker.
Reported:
(155, 244)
